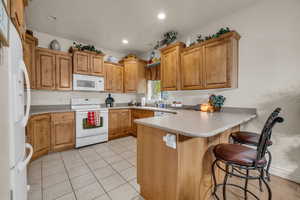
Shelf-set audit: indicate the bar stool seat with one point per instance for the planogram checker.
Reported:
(249, 138)
(238, 154)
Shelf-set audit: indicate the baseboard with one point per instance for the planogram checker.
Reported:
(285, 173)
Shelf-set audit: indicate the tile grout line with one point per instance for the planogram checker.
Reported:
(127, 182)
(69, 179)
(95, 175)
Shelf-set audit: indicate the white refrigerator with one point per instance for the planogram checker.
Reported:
(13, 73)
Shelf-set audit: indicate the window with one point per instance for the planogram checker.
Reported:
(153, 91)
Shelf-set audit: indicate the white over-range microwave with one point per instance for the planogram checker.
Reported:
(88, 83)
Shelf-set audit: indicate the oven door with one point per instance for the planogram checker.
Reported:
(88, 83)
(83, 129)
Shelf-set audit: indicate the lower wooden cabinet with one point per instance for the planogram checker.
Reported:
(51, 133)
(138, 114)
(62, 131)
(38, 134)
(119, 123)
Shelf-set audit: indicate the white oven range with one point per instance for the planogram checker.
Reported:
(87, 134)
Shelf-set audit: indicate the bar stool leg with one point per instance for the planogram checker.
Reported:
(266, 184)
(214, 179)
(268, 166)
(260, 181)
(246, 185)
(225, 182)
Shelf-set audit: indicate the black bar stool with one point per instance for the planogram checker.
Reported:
(252, 139)
(246, 159)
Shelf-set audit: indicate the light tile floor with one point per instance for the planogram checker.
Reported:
(108, 172)
(104, 171)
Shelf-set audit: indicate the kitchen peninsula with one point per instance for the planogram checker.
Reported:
(174, 151)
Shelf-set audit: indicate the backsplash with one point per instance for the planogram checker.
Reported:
(64, 98)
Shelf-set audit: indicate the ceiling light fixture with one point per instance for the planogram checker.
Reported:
(124, 41)
(161, 16)
(52, 18)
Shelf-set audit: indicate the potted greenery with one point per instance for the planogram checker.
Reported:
(217, 101)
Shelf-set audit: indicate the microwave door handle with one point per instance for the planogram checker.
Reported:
(28, 95)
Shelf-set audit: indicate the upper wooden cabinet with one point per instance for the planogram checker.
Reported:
(38, 133)
(63, 72)
(29, 58)
(88, 63)
(192, 69)
(134, 75)
(170, 66)
(62, 131)
(17, 14)
(113, 77)
(54, 70)
(211, 64)
(221, 63)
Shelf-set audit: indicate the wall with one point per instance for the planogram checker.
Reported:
(269, 69)
(4, 117)
(55, 97)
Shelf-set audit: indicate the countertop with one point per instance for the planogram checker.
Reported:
(35, 110)
(200, 124)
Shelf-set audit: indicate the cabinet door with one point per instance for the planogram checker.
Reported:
(216, 67)
(125, 121)
(138, 114)
(38, 131)
(169, 64)
(118, 79)
(63, 72)
(81, 63)
(130, 76)
(114, 124)
(108, 68)
(29, 59)
(191, 69)
(96, 65)
(63, 131)
(45, 67)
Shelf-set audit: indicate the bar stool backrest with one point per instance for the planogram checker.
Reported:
(266, 133)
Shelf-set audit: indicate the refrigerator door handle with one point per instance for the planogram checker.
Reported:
(22, 165)
(28, 101)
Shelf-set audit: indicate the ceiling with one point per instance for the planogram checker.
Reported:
(105, 23)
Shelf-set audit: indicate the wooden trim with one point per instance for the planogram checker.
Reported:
(233, 34)
(54, 51)
(177, 44)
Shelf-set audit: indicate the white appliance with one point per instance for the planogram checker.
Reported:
(88, 83)
(86, 134)
(13, 72)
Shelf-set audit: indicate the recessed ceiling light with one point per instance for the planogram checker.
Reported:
(161, 16)
(124, 41)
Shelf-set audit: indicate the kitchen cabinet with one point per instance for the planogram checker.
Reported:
(113, 77)
(138, 114)
(17, 14)
(134, 75)
(38, 133)
(211, 64)
(88, 63)
(29, 58)
(54, 70)
(170, 67)
(62, 131)
(119, 123)
(221, 63)
(192, 69)
(63, 72)
(51, 133)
